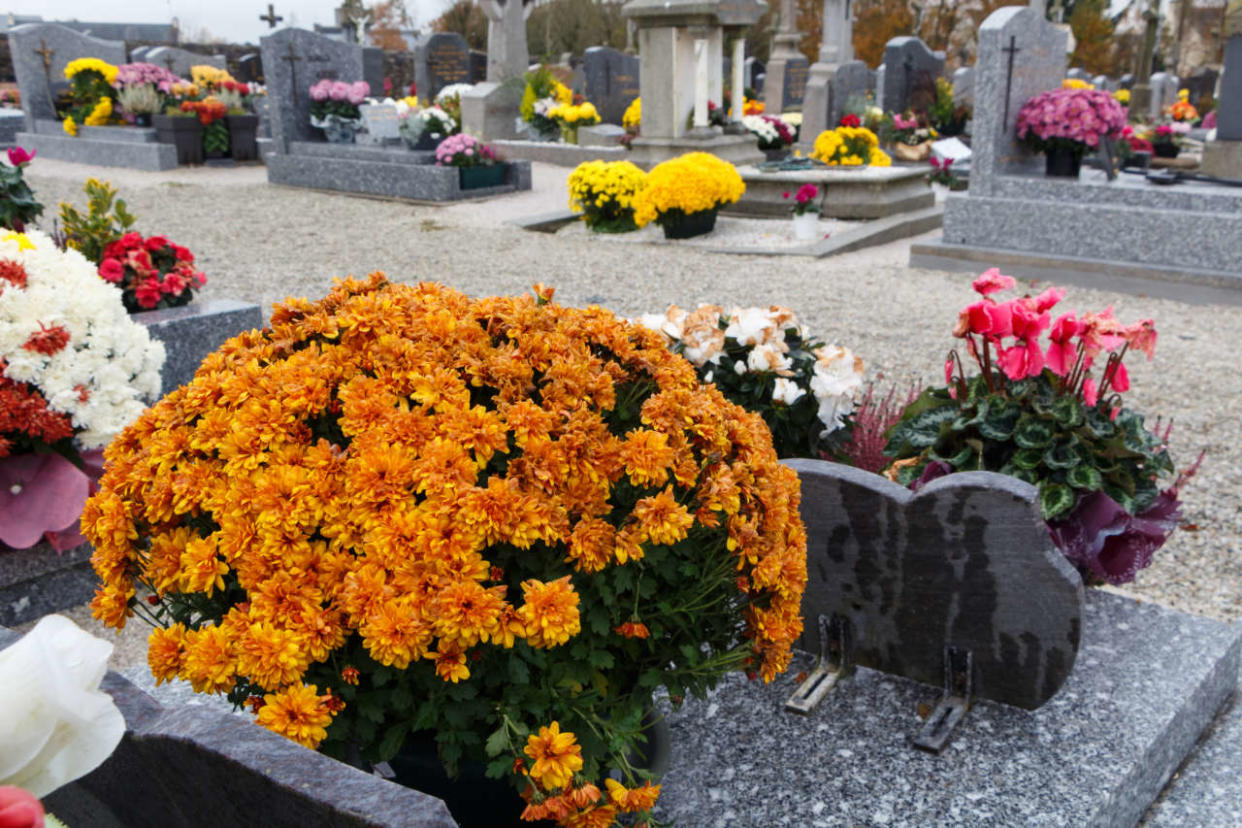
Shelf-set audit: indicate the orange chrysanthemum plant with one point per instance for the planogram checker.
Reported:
(499, 520)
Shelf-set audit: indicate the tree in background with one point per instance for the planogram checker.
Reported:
(1093, 30)
(876, 22)
(465, 18)
(574, 26)
(388, 19)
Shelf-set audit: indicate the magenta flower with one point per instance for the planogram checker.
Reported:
(19, 157)
(39, 493)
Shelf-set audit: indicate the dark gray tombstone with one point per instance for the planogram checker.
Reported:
(1079, 74)
(1126, 81)
(1229, 105)
(1202, 84)
(794, 92)
(180, 61)
(610, 81)
(139, 54)
(478, 66)
(40, 51)
(910, 74)
(373, 69)
(293, 60)
(850, 85)
(439, 60)
(250, 68)
(965, 563)
(752, 71)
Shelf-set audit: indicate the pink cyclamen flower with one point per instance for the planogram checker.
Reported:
(358, 92)
(1118, 377)
(1022, 360)
(19, 809)
(19, 156)
(1028, 324)
(991, 281)
(1062, 353)
(339, 91)
(1142, 336)
(1046, 300)
(1090, 393)
(986, 318)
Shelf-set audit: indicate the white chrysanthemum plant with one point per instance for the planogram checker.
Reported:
(75, 370)
(56, 724)
(763, 360)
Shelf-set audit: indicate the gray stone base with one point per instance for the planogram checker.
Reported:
(1222, 159)
(1146, 684)
(98, 152)
(39, 580)
(738, 150)
(562, 155)
(12, 121)
(376, 171)
(192, 331)
(1208, 788)
(861, 193)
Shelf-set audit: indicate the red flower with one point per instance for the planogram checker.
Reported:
(183, 254)
(111, 270)
(1022, 360)
(148, 292)
(1090, 393)
(987, 319)
(12, 272)
(850, 120)
(140, 260)
(156, 243)
(173, 283)
(1046, 300)
(130, 240)
(1062, 352)
(19, 156)
(19, 808)
(47, 341)
(1117, 376)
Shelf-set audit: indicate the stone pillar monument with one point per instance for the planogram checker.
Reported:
(737, 85)
(1140, 92)
(1223, 156)
(680, 49)
(836, 48)
(786, 62)
(490, 110)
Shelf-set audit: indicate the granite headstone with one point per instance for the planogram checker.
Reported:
(373, 69)
(611, 81)
(1020, 55)
(478, 66)
(1229, 105)
(250, 68)
(850, 84)
(40, 52)
(910, 74)
(753, 71)
(179, 61)
(964, 86)
(1202, 84)
(139, 54)
(293, 60)
(1163, 92)
(796, 70)
(440, 59)
(965, 562)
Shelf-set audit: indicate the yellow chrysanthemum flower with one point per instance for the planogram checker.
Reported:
(691, 183)
(557, 755)
(105, 69)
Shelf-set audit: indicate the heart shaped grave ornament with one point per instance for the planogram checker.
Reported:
(965, 565)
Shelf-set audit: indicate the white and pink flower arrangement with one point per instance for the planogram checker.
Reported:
(430, 120)
(772, 133)
(74, 371)
(1070, 120)
(764, 360)
(337, 99)
(464, 150)
(141, 88)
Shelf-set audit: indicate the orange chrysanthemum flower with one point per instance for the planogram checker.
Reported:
(632, 800)
(297, 712)
(557, 755)
(550, 614)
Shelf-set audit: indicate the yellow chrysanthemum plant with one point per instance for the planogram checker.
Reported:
(632, 118)
(849, 147)
(570, 116)
(498, 521)
(691, 183)
(90, 97)
(603, 192)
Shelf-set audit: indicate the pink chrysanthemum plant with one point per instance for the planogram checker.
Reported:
(1070, 119)
(462, 150)
(1045, 406)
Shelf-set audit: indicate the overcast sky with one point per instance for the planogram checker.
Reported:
(234, 20)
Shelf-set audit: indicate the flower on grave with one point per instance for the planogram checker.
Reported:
(57, 724)
(20, 809)
(763, 360)
(1073, 120)
(569, 117)
(431, 120)
(850, 120)
(209, 77)
(1122, 96)
(804, 200)
(632, 118)
(84, 65)
(772, 133)
(908, 130)
(19, 157)
(542, 93)
(462, 499)
(337, 99)
(604, 192)
(208, 110)
(1046, 407)
(464, 150)
(750, 106)
(1076, 83)
(144, 74)
(152, 273)
(18, 205)
(690, 183)
(74, 370)
(849, 147)
(90, 95)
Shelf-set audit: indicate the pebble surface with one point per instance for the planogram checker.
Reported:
(261, 243)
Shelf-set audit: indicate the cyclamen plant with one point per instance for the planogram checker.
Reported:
(464, 150)
(1072, 120)
(18, 205)
(1051, 415)
(152, 273)
(804, 200)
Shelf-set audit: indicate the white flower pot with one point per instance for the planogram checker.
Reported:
(806, 226)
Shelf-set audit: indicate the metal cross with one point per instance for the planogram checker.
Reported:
(46, 54)
(292, 57)
(270, 18)
(169, 61)
(1011, 50)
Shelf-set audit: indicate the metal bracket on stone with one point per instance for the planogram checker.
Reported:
(836, 662)
(949, 712)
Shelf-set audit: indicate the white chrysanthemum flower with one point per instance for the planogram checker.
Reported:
(109, 365)
(751, 326)
(786, 391)
(837, 377)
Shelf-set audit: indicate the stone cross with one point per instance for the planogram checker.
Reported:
(271, 18)
(507, 55)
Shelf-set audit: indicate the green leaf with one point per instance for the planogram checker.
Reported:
(394, 737)
(1084, 477)
(1068, 411)
(999, 424)
(923, 430)
(1033, 432)
(1099, 424)
(498, 742)
(1055, 499)
(1061, 456)
(519, 673)
(1028, 458)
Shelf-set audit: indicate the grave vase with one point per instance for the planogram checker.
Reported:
(679, 225)
(1169, 150)
(183, 131)
(243, 137)
(1062, 163)
(806, 226)
(779, 154)
(338, 131)
(912, 152)
(474, 178)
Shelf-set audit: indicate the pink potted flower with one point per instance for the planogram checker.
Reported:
(476, 162)
(1066, 124)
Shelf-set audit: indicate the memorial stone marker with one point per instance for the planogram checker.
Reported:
(478, 66)
(1163, 92)
(180, 61)
(40, 52)
(611, 81)
(910, 72)
(507, 54)
(1126, 81)
(380, 123)
(294, 59)
(851, 83)
(250, 69)
(964, 86)
(796, 70)
(439, 60)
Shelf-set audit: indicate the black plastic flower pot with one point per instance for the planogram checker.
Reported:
(243, 137)
(1060, 163)
(182, 131)
(689, 225)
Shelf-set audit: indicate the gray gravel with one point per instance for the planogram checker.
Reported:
(261, 243)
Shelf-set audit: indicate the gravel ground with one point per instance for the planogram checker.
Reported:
(262, 243)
